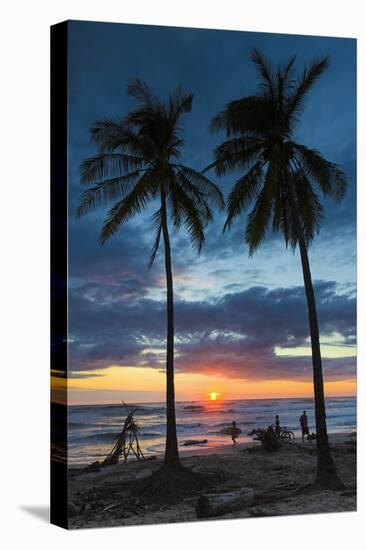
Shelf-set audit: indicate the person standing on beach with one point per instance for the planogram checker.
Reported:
(304, 425)
(277, 426)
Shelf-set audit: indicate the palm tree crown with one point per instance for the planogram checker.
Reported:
(139, 160)
(260, 142)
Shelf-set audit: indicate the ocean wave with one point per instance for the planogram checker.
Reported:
(219, 432)
(102, 437)
(190, 426)
(93, 429)
(150, 434)
(180, 426)
(107, 437)
(78, 425)
(195, 408)
(228, 424)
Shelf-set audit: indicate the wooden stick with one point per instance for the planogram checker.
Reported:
(218, 504)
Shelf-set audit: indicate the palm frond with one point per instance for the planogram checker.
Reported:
(257, 223)
(140, 141)
(284, 83)
(281, 221)
(310, 75)
(287, 70)
(309, 206)
(128, 207)
(236, 154)
(138, 89)
(107, 191)
(259, 216)
(330, 178)
(108, 165)
(252, 116)
(157, 222)
(198, 198)
(245, 190)
(212, 192)
(268, 78)
(107, 134)
(189, 214)
(179, 102)
(176, 211)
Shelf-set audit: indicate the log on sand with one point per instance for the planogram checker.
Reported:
(218, 504)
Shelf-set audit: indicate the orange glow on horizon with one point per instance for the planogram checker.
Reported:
(144, 384)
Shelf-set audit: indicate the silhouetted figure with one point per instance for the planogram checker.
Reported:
(304, 425)
(277, 426)
(234, 433)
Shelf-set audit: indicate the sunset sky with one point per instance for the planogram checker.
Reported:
(241, 323)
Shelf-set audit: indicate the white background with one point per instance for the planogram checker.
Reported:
(24, 303)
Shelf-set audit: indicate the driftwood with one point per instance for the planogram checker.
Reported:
(93, 467)
(218, 504)
(194, 442)
(267, 437)
(126, 442)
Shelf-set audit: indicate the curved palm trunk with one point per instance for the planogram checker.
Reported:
(171, 447)
(327, 476)
(326, 471)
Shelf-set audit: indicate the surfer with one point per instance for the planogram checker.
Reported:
(234, 433)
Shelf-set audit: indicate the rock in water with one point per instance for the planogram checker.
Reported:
(194, 442)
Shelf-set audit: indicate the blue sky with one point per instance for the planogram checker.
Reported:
(227, 304)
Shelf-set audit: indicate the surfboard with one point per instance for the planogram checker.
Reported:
(232, 431)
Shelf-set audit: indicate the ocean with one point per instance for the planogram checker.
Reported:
(93, 428)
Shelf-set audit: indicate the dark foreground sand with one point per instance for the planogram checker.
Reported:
(100, 499)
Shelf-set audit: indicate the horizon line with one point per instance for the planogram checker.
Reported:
(201, 400)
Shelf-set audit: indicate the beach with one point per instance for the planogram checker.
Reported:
(101, 499)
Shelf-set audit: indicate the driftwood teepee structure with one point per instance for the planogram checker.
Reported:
(126, 442)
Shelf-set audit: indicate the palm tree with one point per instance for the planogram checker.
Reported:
(139, 162)
(280, 184)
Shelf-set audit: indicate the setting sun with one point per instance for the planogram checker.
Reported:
(213, 395)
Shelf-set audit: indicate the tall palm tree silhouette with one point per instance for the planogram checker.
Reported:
(138, 162)
(280, 183)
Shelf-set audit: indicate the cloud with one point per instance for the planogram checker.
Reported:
(235, 335)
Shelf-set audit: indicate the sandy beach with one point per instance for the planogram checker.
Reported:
(101, 499)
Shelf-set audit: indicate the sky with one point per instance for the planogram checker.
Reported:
(241, 322)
